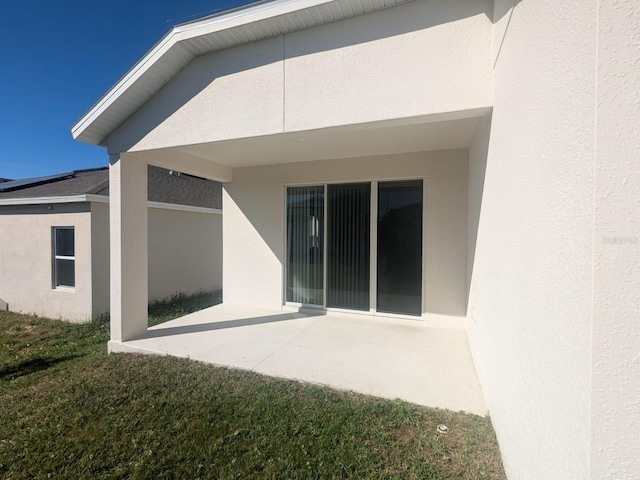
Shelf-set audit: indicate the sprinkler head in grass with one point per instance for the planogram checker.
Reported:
(443, 428)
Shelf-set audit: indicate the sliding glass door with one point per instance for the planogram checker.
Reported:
(399, 256)
(305, 245)
(348, 242)
(344, 252)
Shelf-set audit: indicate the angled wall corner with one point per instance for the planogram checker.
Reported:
(530, 296)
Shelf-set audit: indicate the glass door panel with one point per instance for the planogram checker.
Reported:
(305, 245)
(348, 243)
(399, 256)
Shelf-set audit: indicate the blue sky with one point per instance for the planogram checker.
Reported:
(58, 57)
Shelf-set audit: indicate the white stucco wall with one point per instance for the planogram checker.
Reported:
(100, 257)
(615, 403)
(385, 65)
(478, 151)
(26, 281)
(254, 224)
(531, 296)
(185, 253)
(391, 64)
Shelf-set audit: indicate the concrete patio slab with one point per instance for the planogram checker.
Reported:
(385, 357)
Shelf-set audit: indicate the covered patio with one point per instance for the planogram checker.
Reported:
(394, 158)
(385, 357)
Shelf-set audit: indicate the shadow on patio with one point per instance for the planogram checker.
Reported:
(164, 330)
(380, 356)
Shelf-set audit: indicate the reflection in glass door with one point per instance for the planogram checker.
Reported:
(399, 256)
(305, 245)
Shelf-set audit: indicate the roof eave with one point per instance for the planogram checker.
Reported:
(120, 86)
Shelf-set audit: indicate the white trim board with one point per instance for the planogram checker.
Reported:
(104, 199)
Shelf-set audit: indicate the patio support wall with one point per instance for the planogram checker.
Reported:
(554, 295)
(615, 363)
(128, 238)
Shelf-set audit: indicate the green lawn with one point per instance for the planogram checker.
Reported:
(71, 411)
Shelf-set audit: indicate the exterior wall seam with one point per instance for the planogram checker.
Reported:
(284, 82)
(504, 35)
(593, 238)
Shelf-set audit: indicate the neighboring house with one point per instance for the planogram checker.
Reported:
(54, 238)
(468, 162)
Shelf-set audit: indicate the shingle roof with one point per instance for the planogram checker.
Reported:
(71, 183)
(163, 186)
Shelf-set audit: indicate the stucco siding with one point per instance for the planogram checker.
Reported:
(185, 255)
(254, 224)
(233, 93)
(26, 278)
(615, 405)
(100, 258)
(478, 151)
(185, 252)
(385, 65)
(389, 64)
(530, 302)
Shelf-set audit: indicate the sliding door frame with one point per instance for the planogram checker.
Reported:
(373, 248)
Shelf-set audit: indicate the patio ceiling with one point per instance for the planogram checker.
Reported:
(440, 132)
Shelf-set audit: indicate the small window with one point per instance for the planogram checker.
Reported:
(64, 257)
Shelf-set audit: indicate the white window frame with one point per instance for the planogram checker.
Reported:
(55, 257)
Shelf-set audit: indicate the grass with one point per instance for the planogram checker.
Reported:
(69, 410)
(177, 305)
(181, 304)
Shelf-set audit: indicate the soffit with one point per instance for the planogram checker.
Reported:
(351, 141)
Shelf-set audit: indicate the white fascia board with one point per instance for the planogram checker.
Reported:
(235, 18)
(124, 83)
(104, 199)
(46, 200)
